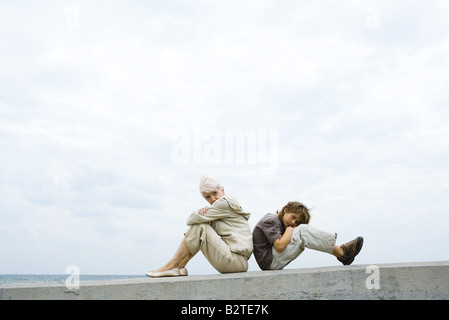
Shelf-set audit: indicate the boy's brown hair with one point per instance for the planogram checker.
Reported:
(298, 208)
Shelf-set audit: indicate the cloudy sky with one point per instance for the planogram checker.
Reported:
(110, 112)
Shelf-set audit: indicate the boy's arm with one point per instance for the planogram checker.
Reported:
(281, 243)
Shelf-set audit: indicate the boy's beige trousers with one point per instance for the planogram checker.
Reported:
(203, 237)
(303, 236)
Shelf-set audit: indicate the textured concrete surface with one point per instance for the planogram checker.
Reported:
(420, 280)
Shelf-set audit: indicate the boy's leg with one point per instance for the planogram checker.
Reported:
(304, 236)
(316, 239)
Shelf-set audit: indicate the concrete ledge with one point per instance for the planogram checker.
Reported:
(421, 280)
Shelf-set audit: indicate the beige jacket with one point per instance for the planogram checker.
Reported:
(230, 222)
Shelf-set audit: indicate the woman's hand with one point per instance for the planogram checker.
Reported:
(203, 211)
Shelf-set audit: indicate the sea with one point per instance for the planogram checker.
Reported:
(60, 278)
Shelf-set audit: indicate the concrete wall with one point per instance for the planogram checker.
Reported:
(423, 280)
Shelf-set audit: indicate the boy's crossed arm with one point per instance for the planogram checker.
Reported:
(281, 243)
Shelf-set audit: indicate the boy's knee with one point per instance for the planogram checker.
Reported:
(302, 229)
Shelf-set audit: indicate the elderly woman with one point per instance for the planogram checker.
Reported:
(220, 231)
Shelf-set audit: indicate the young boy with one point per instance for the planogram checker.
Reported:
(281, 238)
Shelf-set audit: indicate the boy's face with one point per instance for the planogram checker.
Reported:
(290, 219)
(211, 197)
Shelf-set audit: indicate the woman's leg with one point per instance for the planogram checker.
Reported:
(203, 237)
(180, 259)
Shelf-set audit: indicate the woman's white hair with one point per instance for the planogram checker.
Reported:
(209, 184)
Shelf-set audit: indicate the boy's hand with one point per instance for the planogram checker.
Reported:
(281, 243)
(203, 211)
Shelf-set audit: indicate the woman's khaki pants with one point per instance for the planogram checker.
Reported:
(303, 236)
(203, 237)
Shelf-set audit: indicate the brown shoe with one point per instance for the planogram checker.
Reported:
(351, 249)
